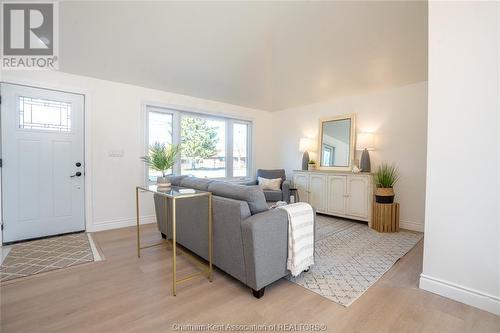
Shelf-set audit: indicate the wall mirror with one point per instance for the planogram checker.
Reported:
(336, 144)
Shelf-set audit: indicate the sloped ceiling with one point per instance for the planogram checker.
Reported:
(264, 55)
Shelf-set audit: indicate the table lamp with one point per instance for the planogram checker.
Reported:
(305, 145)
(365, 142)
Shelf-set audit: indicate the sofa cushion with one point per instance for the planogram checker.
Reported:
(273, 195)
(196, 183)
(269, 184)
(253, 195)
(271, 174)
(176, 180)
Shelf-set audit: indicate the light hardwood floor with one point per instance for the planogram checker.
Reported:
(127, 294)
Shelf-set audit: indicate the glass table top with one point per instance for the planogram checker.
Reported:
(173, 191)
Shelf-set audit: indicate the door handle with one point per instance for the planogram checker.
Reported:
(78, 174)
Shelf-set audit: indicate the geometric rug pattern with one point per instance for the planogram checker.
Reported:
(350, 257)
(33, 257)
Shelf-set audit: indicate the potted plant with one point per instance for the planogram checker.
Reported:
(311, 165)
(386, 176)
(161, 158)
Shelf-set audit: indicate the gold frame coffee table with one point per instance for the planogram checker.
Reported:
(175, 193)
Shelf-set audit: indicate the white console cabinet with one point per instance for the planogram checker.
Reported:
(341, 194)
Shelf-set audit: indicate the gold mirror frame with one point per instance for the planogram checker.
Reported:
(352, 143)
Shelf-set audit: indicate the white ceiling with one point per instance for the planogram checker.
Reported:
(265, 55)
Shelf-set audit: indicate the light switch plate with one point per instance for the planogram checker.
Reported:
(115, 153)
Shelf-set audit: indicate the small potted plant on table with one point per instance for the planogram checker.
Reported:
(311, 165)
(386, 176)
(161, 158)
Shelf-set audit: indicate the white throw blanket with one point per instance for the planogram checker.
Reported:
(300, 237)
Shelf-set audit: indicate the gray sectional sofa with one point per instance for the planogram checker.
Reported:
(250, 241)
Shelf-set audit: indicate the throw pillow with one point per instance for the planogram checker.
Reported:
(270, 184)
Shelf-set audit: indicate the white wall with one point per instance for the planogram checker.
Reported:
(114, 112)
(397, 116)
(462, 231)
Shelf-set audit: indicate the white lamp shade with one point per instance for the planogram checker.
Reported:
(365, 140)
(306, 144)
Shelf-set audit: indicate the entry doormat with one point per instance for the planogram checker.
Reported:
(43, 255)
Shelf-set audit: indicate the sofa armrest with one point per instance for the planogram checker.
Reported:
(285, 188)
(251, 182)
(265, 247)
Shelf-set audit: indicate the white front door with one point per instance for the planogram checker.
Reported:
(42, 162)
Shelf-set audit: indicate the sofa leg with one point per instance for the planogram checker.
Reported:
(258, 293)
(163, 236)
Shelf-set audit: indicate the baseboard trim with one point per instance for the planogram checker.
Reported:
(121, 223)
(410, 225)
(460, 293)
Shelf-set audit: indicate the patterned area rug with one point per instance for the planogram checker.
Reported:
(47, 254)
(350, 257)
